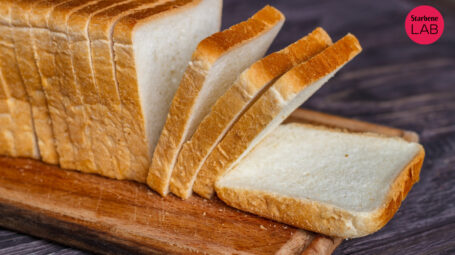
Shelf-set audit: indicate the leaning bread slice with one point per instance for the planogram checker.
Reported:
(149, 68)
(20, 109)
(275, 105)
(32, 80)
(228, 108)
(216, 63)
(324, 180)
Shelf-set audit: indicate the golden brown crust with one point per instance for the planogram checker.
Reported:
(267, 108)
(216, 45)
(24, 133)
(96, 154)
(40, 40)
(32, 81)
(65, 90)
(207, 53)
(321, 217)
(79, 45)
(228, 108)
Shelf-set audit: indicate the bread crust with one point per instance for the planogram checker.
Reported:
(20, 109)
(206, 54)
(255, 120)
(32, 81)
(322, 217)
(79, 45)
(41, 38)
(67, 91)
(236, 100)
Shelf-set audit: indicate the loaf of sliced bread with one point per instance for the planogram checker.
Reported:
(32, 81)
(148, 68)
(20, 109)
(216, 63)
(228, 108)
(275, 105)
(324, 180)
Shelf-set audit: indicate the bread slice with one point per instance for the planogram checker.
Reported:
(275, 105)
(7, 146)
(149, 69)
(32, 81)
(216, 63)
(324, 180)
(79, 45)
(20, 110)
(228, 108)
(109, 144)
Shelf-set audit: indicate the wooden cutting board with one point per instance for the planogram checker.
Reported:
(120, 217)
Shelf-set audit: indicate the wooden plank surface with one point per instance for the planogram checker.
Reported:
(108, 216)
(394, 82)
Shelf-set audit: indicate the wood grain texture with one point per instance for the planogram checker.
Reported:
(393, 82)
(120, 217)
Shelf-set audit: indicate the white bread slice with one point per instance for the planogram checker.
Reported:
(149, 69)
(274, 106)
(109, 145)
(216, 63)
(20, 110)
(228, 108)
(324, 180)
(32, 80)
(45, 60)
(7, 146)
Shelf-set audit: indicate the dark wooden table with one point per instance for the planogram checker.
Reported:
(393, 82)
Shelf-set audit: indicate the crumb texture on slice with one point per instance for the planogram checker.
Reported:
(329, 181)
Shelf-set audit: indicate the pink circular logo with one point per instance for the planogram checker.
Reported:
(424, 24)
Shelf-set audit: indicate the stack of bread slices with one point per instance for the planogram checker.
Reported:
(148, 90)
